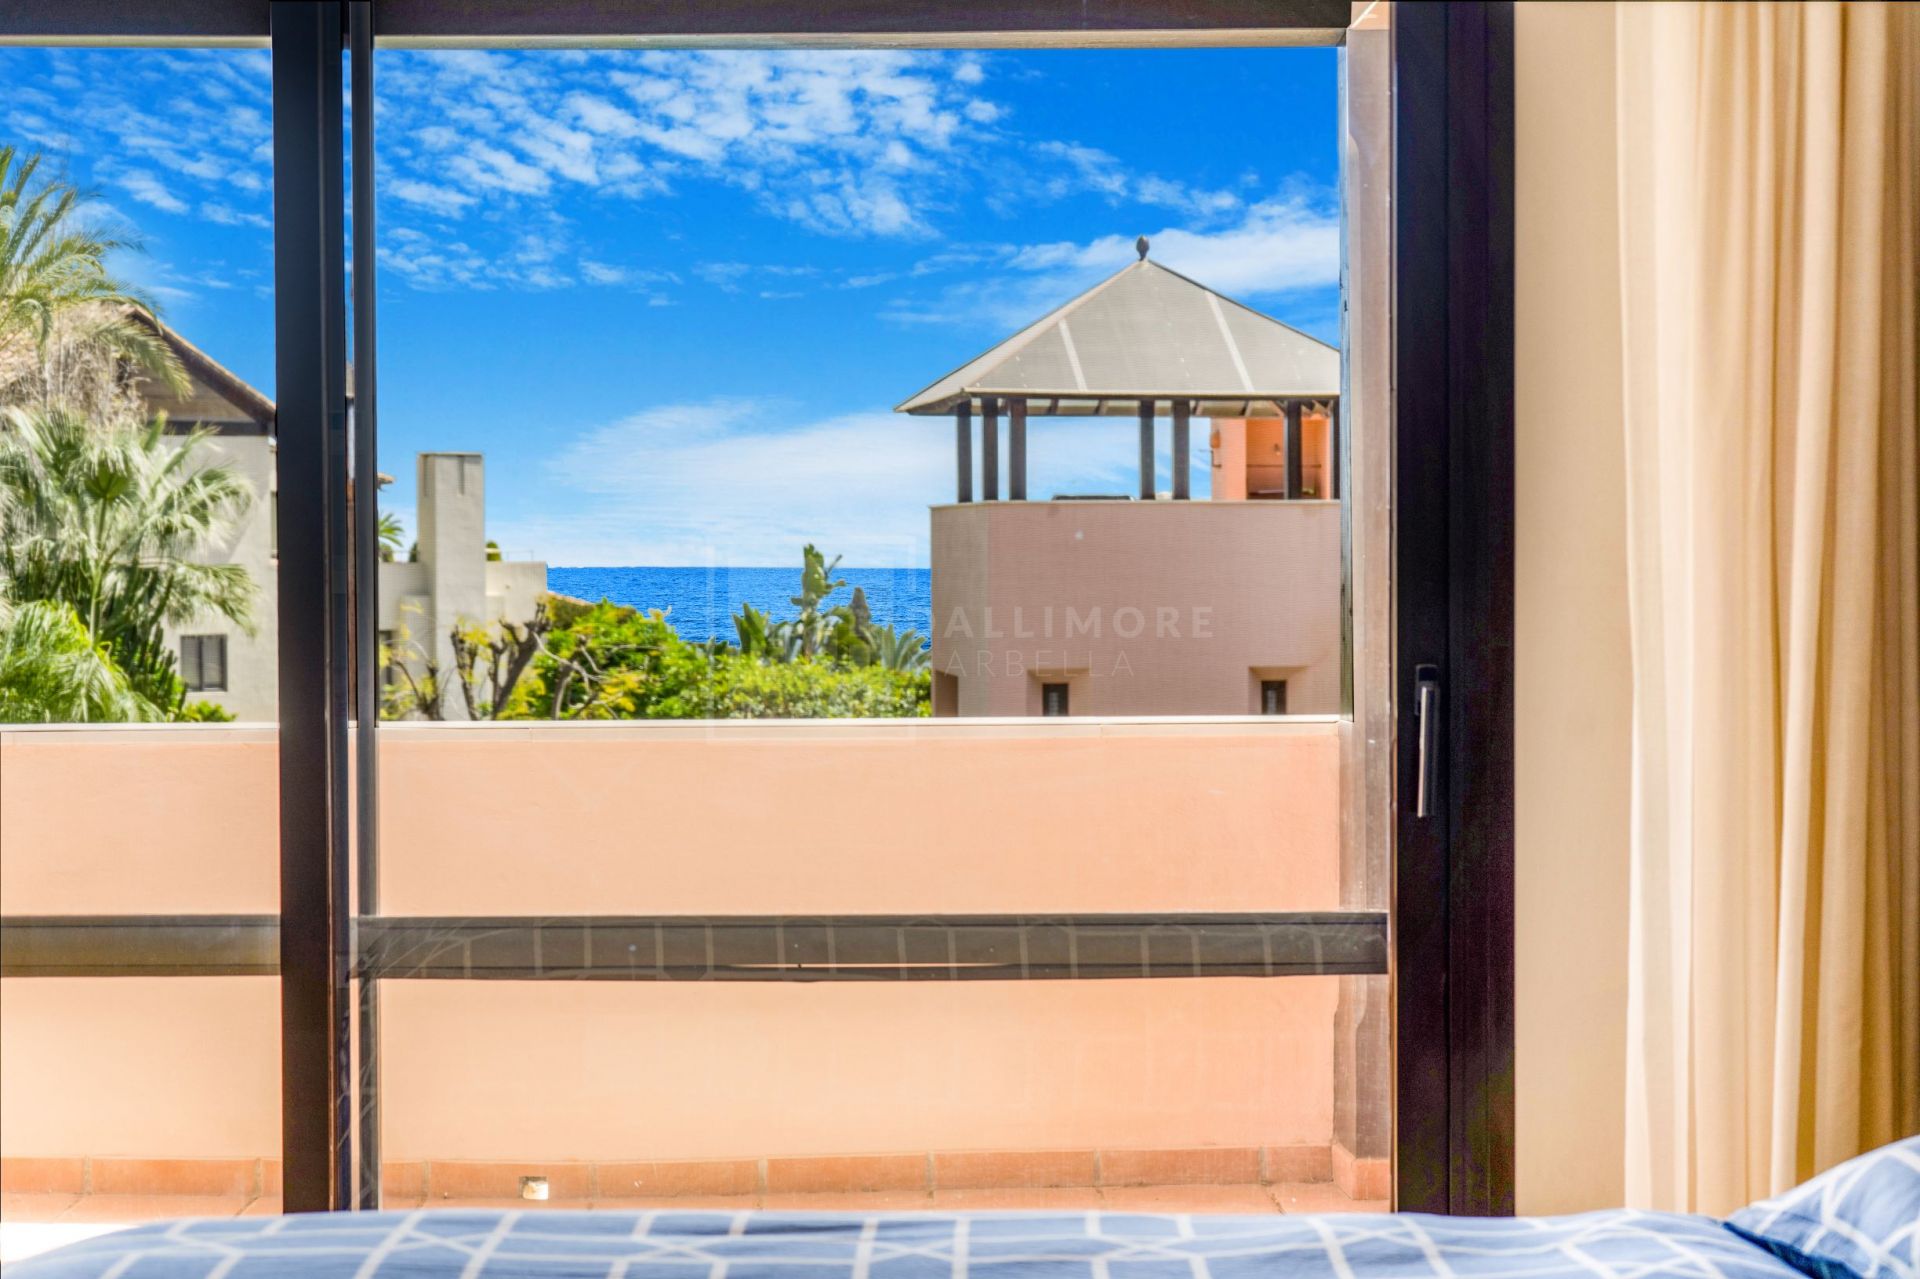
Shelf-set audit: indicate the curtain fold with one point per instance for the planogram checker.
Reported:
(1770, 220)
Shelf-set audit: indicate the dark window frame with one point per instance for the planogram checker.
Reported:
(1453, 542)
(1278, 687)
(1065, 692)
(1453, 110)
(193, 662)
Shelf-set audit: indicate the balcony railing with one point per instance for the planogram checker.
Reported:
(740, 941)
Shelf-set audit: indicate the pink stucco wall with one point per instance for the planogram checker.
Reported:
(1141, 608)
(733, 818)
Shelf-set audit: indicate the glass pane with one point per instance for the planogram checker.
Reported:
(139, 1023)
(865, 634)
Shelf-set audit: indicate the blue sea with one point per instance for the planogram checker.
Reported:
(701, 602)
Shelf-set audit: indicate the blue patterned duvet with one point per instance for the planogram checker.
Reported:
(461, 1244)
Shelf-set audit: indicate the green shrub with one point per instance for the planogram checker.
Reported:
(606, 661)
(737, 687)
(599, 661)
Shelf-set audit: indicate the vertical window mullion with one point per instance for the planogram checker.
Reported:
(310, 374)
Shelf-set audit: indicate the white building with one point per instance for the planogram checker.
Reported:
(452, 582)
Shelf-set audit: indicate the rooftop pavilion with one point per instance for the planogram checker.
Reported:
(1144, 338)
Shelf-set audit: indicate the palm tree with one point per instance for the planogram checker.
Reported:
(57, 295)
(51, 671)
(115, 520)
(390, 535)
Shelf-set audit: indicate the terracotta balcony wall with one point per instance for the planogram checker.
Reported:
(707, 818)
(1140, 608)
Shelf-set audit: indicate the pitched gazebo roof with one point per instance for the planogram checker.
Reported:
(1145, 333)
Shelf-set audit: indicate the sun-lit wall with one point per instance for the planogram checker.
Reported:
(741, 818)
(1140, 608)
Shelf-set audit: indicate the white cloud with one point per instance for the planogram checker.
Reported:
(206, 147)
(814, 136)
(722, 275)
(603, 273)
(1074, 168)
(213, 211)
(494, 169)
(143, 186)
(1277, 246)
(600, 116)
(435, 199)
(874, 143)
(740, 482)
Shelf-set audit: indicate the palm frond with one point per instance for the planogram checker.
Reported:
(52, 263)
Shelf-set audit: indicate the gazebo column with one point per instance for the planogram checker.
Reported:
(1295, 482)
(989, 449)
(1146, 450)
(1182, 452)
(1333, 449)
(1017, 448)
(963, 449)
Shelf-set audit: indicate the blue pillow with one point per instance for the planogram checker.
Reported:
(1860, 1220)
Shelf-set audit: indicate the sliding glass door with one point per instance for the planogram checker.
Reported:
(899, 611)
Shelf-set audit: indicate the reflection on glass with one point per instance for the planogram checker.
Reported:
(139, 1020)
(751, 390)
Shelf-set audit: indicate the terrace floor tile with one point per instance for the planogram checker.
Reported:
(852, 1201)
(1188, 1198)
(24, 1206)
(1018, 1199)
(133, 1208)
(676, 1203)
(438, 1203)
(1313, 1196)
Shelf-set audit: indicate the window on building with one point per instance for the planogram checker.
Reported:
(1273, 697)
(1053, 699)
(203, 663)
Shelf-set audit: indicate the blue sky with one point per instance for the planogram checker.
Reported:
(673, 296)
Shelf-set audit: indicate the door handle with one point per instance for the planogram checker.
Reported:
(1426, 709)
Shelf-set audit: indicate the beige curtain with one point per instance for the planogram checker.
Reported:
(1769, 218)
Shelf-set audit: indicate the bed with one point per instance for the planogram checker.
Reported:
(1860, 1221)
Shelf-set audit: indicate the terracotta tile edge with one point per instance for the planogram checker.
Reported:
(916, 1171)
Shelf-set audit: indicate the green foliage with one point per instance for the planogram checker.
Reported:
(411, 684)
(736, 687)
(758, 634)
(53, 269)
(116, 521)
(102, 524)
(51, 671)
(902, 651)
(490, 660)
(603, 661)
(390, 536)
(844, 632)
(204, 713)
